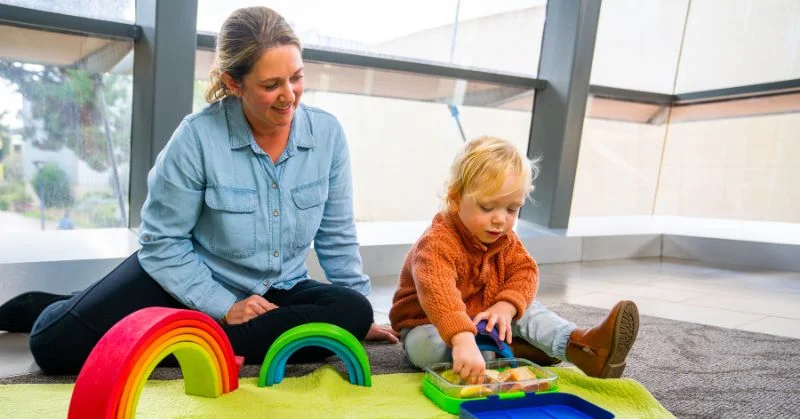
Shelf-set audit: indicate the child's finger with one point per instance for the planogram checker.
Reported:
(480, 316)
(491, 322)
(457, 366)
(502, 330)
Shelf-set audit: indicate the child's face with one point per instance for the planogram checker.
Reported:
(489, 218)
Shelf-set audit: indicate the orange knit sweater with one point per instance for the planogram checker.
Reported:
(449, 276)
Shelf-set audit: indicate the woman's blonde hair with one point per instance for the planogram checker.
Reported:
(483, 165)
(244, 37)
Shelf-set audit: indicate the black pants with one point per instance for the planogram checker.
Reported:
(63, 341)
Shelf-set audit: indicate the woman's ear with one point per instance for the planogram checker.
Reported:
(231, 84)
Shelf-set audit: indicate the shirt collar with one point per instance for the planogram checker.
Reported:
(301, 133)
(471, 240)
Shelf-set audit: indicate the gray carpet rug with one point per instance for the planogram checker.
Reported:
(695, 371)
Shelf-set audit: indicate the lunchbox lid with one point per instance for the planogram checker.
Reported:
(532, 405)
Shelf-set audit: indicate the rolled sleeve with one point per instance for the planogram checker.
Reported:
(434, 273)
(335, 242)
(522, 278)
(175, 199)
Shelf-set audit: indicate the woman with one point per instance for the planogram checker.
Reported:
(234, 201)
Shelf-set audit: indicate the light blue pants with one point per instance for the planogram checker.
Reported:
(538, 326)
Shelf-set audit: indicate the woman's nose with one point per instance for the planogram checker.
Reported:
(287, 95)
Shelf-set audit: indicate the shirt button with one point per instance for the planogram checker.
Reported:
(274, 185)
(266, 283)
(275, 213)
(276, 254)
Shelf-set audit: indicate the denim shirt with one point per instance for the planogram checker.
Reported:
(222, 222)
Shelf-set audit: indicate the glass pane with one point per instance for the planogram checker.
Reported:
(65, 120)
(116, 10)
(749, 166)
(732, 159)
(496, 36)
(738, 43)
(619, 158)
(401, 150)
(638, 44)
(403, 131)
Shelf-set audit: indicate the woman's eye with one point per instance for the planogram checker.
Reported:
(296, 78)
(271, 86)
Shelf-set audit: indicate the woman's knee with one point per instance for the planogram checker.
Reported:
(63, 348)
(354, 311)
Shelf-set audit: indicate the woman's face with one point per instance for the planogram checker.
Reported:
(271, 91)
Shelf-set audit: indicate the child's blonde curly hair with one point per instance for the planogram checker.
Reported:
(483, 165)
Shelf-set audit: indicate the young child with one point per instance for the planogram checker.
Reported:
(469, 266)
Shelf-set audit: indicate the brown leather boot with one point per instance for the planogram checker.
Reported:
(525, 350)
(601, 351)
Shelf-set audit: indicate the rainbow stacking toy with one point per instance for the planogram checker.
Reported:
(112, 378)
(325, 335)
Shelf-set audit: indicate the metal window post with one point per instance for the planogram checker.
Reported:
(565, 63)
(163, 83)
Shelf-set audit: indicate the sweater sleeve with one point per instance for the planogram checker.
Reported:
(434, 271)
(521, 278)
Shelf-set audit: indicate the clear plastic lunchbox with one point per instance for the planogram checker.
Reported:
(506, 378)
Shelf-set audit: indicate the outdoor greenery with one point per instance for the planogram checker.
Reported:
(13, 196)
(52, 186)
(85, 112)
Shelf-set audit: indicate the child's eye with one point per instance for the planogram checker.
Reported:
(485, 209)
(513, 210)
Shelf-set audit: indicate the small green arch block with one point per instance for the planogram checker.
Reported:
(325, 335)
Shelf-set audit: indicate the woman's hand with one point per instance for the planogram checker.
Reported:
(380, 332)
(248, 309)
(500, 314)
(467, 358)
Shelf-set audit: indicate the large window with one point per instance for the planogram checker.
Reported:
(64, 131)
(496, 36)
(401, 150)
(674, 148)
(404, 129)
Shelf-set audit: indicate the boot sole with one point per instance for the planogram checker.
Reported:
(626, 329)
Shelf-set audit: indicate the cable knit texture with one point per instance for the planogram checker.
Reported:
(449, 276)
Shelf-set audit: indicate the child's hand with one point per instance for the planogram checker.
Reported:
(500, 315)
(467, 358)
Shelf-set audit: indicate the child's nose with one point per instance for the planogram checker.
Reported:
(497, 219)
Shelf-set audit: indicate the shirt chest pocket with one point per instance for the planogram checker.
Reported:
(232, 214)
(309, 204)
